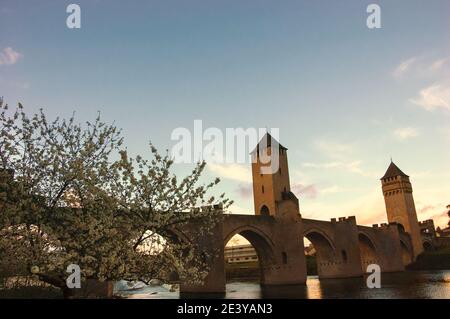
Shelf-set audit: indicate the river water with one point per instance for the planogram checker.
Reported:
(410, 284)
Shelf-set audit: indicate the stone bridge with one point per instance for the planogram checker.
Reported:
(277, 230)
(343, 248)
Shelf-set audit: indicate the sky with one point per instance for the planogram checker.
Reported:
(345, 98)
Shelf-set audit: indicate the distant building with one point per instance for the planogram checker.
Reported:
(240, 254)
(446, 231)
(428, 234)
(427, 229)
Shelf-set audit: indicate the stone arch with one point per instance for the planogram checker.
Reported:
(177, 236)
(264, 211)
(407, 255)
(262, 244)
(367, 249)
(325, 250)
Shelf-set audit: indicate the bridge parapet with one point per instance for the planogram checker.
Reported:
(380, 244)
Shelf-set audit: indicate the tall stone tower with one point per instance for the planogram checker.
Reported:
(400, 208)
(272, 191)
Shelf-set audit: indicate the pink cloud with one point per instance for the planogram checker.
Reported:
(308, 191)
(8, 56)
(245, 190)
(426, 208)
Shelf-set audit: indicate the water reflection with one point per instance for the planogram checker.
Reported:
(423, 285)
(402, 285)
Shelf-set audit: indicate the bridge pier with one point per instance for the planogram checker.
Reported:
(212, 245)
(336, 245)
(385, 243)
(289, 265)
(347, 262)
(278, 242)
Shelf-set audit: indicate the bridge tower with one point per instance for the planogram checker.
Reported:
(271, 187)
(400, 207)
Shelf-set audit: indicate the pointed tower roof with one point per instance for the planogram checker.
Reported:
(393, 170)
(269, 139)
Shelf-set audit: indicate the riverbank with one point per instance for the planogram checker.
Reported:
(432, 260)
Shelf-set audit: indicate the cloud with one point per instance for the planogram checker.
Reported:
(308, 191)
(436, 212)
(350, 166)
(403, 67)
(9, 57)
(235, 172)
(437, 65)
(434, 97)
(332, 190)
(341, 156)
(425, 209)
(404, 133)
(421, 67)
(245, 190)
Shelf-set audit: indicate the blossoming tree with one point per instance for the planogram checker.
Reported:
(70, 194)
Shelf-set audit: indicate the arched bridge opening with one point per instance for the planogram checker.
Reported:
(251, 257)
(367, 251)
(320, 254)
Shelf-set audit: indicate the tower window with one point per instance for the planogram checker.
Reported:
(344, 255)
(264, 211)
(284, 257)
(262, 188)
